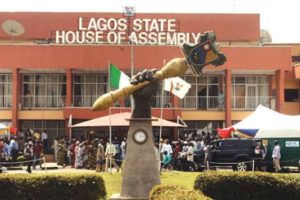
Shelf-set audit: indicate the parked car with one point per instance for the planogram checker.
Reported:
(238, 153)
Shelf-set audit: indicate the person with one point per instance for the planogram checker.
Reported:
(79, 153)
(110, 153)
(55, 148)
(166, 161)
(100, 157)
(221, 100)
(45, 140)
(37, 154)
(276, 155)
(14, 148)
(71, 152)
(123, 148)
(167, 147)
(62, 152)
(207, 155)
(36, 136)
(1, 150)
(92, 149)
(28, 154)
(190, 156)
(118, 151)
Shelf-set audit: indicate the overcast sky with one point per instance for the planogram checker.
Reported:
(279, 17)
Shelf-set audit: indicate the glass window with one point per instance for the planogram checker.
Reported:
(204, 94)
(239, 80)
(250, 91)
(87, 88)
(43, 90)
(5, 90)
(291, 95)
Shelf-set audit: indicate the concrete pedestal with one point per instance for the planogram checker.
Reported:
(141, 171)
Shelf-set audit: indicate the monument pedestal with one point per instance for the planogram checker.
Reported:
(118, 197)
(141, 170)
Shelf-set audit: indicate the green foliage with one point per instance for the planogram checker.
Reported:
(175, 192)
(59, 186)
(247, 185)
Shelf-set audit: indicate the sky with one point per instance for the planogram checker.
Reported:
(279, 17)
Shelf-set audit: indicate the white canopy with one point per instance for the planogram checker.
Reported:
(267, 123)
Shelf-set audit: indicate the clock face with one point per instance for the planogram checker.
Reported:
(140, 136)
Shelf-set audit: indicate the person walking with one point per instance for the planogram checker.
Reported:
(276, 155)
(28, 154)
(37, 154)
(100, 157)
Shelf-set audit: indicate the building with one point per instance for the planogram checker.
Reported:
(53, 65)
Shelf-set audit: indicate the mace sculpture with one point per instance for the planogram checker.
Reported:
(141, 171)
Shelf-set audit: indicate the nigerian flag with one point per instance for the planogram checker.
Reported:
(118, 78)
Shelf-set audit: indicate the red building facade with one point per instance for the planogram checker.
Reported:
(53, 65)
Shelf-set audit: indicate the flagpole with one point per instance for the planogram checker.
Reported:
(110, 129)
(161, 116)
(70, 127)
(132, 68)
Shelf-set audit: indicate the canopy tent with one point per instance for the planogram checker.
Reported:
(121, 119)
(264, 121)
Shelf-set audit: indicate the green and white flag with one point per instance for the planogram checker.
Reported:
(118, 79)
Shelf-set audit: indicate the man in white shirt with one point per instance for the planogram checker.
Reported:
(167, 147)
(110, 152)
(276, 155)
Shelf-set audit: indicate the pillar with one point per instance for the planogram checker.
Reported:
(279, 90)
(15, 97)
(228, 98)
(141, 171)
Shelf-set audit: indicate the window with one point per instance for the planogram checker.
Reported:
(43, 90)
(250, 91)
(291, 95)
(87, 88)
(5, 90)
(203, 93)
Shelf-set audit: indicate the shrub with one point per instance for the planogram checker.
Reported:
(57, 187)
(247, 185)
(175, 192)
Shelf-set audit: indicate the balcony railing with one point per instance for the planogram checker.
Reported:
(156, 101)
(189, 102)
(5, 101)
(43, 101)
(216, 103)
(250, 103)
(84, 101)
(202, 103)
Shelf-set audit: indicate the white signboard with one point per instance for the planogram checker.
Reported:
(117, 30)
(292, 143)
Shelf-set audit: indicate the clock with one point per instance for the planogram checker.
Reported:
(140, 136)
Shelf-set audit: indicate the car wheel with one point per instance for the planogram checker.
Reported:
(241, 167)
